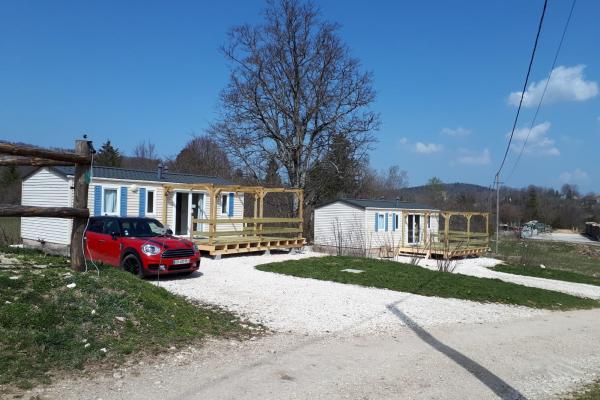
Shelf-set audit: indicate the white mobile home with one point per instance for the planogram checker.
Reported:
(123, 192)
(368, 226)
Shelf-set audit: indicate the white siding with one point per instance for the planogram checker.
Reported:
(383, 237)
(46, 189)
(358, 226)
(340, 222)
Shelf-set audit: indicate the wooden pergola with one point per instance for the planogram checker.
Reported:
(447, 243)
(257, 233)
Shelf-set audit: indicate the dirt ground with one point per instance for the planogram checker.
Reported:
(537, 358)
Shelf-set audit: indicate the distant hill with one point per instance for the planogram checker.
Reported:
(450, 189)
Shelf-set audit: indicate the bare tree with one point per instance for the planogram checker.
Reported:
(293, 86)
(202, 155)
(144, 157)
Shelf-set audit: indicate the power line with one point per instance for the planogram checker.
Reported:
(562, 38)
(537, 36)
(512, 133)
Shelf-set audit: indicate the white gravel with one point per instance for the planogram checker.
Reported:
(480, 267)
(308, 306)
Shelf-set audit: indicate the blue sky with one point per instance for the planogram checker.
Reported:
(444, 73)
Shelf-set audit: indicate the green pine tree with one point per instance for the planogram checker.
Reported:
(108, 156)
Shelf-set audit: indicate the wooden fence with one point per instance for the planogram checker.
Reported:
(20, 155)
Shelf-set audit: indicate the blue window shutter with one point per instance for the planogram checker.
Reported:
(376, 222)
(231, 199)
(386, 221)
(123, 201)
(393, 222)
(97, 200)
(142, 211)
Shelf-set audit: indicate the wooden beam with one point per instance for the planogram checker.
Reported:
(54, 155)
(30, 161)
(80, 201)
(10, 210)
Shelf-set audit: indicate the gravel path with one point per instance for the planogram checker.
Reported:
(538, 358)
(308, 306)
(480, 267)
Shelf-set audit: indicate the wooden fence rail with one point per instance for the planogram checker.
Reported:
(34, 156)
(9, 210)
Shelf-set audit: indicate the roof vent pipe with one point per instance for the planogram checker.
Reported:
(397, 201)
(161, 169)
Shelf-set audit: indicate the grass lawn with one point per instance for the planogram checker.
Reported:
(579, 258)
(590, 392)
(548, 273)
(414, 279)
(10, 230)
(47, 327)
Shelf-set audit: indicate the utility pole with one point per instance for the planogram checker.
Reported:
(497, 210)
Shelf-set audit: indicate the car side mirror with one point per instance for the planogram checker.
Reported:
(169, 232)
(114, 235)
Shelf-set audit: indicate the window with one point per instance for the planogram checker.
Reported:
(381, 222)
(141, 227)
(95, 225)
(150, 202)
(111, 226)
(396, 221)
(224, 198)
(109, 202)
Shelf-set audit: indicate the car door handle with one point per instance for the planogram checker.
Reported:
(101, 241)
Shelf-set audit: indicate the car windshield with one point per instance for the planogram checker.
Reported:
(141, 227)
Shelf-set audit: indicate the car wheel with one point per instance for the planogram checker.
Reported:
(132, 263)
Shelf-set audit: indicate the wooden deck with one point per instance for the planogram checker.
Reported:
(440, 250)
(247, 244)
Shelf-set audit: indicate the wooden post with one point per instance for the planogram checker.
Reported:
(300, 195)
(80, 200)
(469, 228)
(255, 212)
(487, 228)
(166, 192)
(213, 215)
(447, 229)
(261, 210)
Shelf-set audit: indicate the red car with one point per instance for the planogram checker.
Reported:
(141, 246)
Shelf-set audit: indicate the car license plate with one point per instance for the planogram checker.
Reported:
(182, 261)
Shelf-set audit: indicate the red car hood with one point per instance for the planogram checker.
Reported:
(169, 242)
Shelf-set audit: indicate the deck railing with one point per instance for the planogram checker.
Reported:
(250, 227)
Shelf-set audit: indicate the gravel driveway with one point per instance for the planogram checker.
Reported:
(307, 306)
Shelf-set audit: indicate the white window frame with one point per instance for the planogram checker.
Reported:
(117, 206)
(153, 212)
(224, 210)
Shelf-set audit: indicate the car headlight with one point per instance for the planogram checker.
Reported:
(150, 249)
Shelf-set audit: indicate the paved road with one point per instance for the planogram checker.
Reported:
(535, 358)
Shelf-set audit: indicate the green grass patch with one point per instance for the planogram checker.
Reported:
(548, 273)
(46, 327)
(579, 258)
(413, 279)
(589, 392)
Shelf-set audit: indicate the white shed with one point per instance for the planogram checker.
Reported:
(121, 192)
(367, 226)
